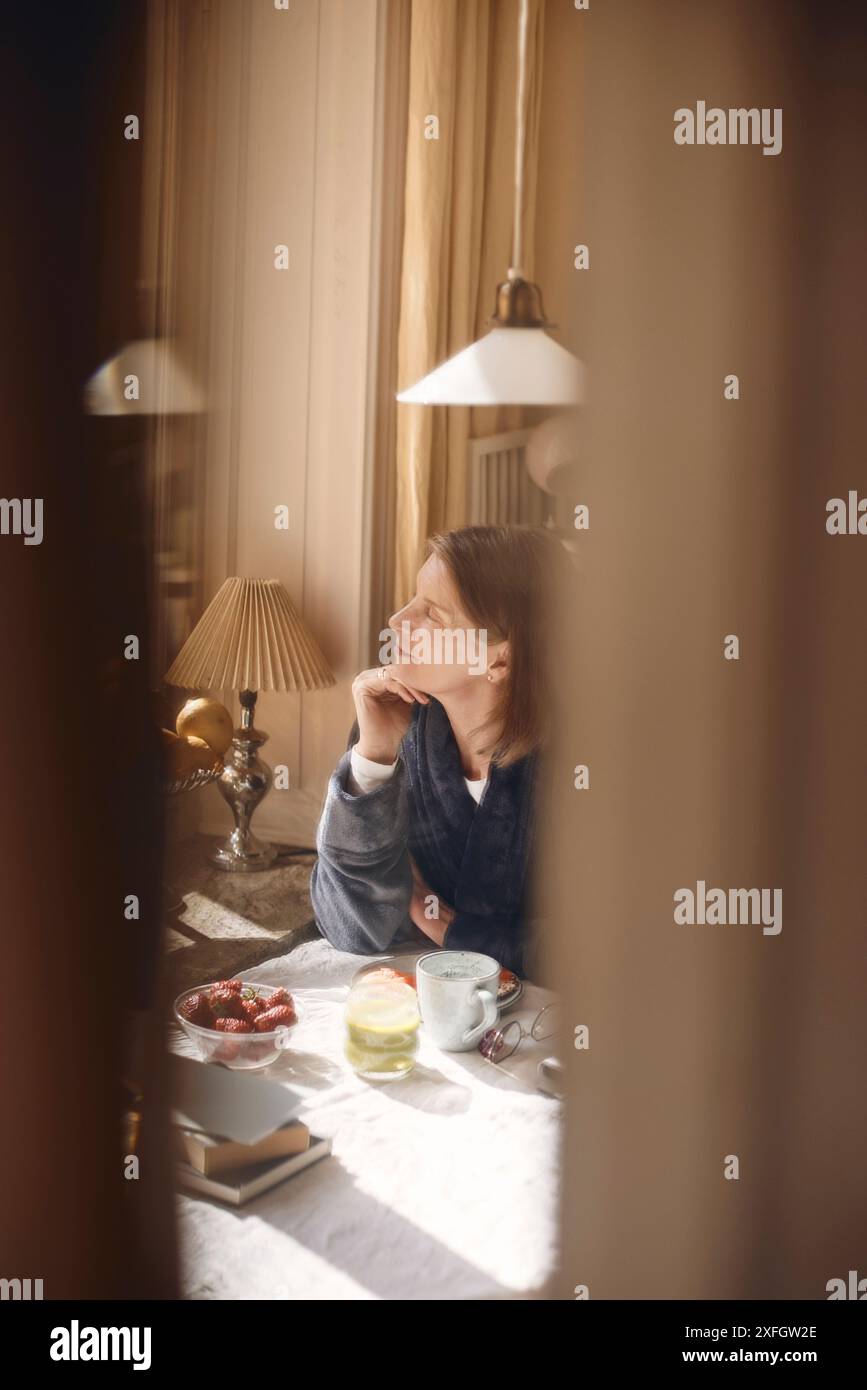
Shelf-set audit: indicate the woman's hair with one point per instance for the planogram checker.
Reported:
(505, 576)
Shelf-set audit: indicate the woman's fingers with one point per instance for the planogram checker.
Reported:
(416, 694)
(394, 687)
(377, 684)
(382, 681)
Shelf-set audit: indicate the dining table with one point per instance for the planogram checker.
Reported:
(443, 1184)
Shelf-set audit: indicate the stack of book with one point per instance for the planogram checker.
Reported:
(237, 1136)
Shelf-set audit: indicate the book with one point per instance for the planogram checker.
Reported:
(210, 1154)
(230, 1104)
(237, 1186)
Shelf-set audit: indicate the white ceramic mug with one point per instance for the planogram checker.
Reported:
(454, 988)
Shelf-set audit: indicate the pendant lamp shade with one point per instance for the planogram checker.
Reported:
(250, 637)
(163, 385)
(508, 366)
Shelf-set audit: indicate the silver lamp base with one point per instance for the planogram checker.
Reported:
(245, 856)
(243, 783)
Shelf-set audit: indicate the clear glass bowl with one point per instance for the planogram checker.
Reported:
(238, 1051)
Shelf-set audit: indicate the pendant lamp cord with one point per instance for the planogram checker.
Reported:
(516, 271)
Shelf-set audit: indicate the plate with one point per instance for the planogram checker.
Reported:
(404, 963)
(508, 994)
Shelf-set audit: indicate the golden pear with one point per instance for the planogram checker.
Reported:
(208, 720)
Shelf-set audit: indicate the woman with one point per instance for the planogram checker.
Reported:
(427, 829)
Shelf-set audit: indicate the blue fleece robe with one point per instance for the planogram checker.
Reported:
(476, 858)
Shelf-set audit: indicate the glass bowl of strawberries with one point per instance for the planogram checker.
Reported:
(243, 1025)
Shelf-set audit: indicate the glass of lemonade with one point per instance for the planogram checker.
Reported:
(382, 1022)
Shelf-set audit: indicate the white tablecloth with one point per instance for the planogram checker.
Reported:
(443, 1185)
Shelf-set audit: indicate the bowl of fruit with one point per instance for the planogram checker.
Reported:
(193, 752)
(243, 1025)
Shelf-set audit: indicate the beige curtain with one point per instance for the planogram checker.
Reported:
(457, 239)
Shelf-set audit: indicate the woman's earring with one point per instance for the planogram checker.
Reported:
(490, 677)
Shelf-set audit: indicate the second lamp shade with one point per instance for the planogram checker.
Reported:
(250, 637)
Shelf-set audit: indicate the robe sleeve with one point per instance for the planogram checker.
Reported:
(361, 884)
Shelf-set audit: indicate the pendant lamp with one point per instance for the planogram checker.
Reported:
(516, 363)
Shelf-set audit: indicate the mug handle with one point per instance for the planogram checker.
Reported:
(490, 1014)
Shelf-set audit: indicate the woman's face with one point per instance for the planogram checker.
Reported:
(437, 648)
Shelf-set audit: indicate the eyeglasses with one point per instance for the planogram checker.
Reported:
(499, 1043)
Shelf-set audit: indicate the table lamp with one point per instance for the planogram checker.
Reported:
(249, 638)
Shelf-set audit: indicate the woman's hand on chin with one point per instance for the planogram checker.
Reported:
(383, 707)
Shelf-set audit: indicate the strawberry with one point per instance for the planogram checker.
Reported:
(226, 1003)
(233, 1025)
(280, 996)
(283, 1016)
(234, 985)
(252, 1008)
(196, 1009)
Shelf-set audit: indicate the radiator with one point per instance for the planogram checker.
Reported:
(499, 488)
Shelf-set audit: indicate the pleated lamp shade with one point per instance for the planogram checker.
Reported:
(250, 637)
